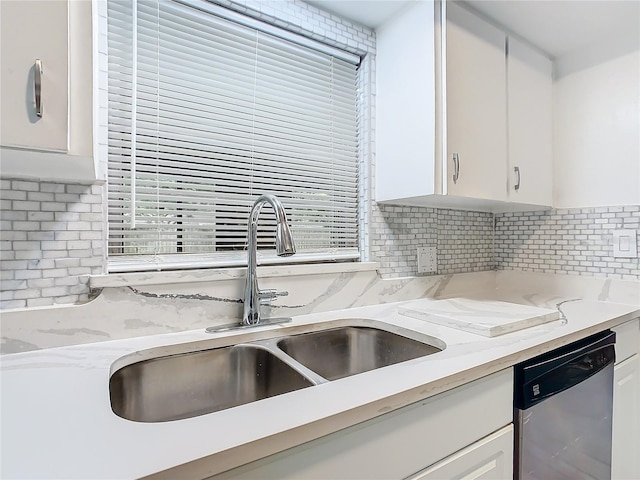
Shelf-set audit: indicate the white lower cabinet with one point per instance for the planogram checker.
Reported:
(466, 432)
(489, 458)
(625, 455)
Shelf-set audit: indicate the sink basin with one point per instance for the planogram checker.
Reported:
(195, 383)
(344, 351)
(187, 380)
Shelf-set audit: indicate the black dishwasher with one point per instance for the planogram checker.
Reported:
(563, 404)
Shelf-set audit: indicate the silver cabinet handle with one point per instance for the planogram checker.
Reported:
(456, 166)
(37, 86)
(517, 185)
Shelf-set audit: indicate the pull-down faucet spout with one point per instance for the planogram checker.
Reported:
(285, 246)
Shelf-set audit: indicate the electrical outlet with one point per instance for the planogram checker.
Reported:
(427, 260)
(625, 244)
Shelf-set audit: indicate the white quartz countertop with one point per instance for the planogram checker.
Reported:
(57, 420)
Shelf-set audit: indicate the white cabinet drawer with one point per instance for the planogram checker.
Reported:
(489, 458)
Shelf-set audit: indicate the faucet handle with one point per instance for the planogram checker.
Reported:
(270, 294)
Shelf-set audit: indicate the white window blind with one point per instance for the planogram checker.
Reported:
(206, 114)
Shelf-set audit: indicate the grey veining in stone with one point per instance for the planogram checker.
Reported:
(604, 293)
(184, 296)
(13, 345)
(123, 312)
(75, 331)
(139, 323)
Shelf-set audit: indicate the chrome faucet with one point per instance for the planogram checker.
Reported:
(253, 296)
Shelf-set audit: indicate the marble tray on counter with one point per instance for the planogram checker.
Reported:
(487, 318)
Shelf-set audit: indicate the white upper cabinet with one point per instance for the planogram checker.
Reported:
(476, 107)
(456, 115)
(34, 30)
(47, 90)
(405, 84)
(529, 88)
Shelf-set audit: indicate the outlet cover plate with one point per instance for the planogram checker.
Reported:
(427, 260)
(625, 244)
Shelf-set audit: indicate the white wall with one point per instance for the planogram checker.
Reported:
(597, 126)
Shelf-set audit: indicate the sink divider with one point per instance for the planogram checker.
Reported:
(271, 345)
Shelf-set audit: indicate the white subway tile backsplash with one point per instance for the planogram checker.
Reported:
(37, 302)
(25, 186)
(41, 283)
(53, 207)
(40, 240)
(464, 240)
(572, 241)
(25, 205)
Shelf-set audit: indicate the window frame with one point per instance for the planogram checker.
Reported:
(360, 42)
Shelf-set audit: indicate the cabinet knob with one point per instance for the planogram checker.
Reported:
(517, 185)
(37, 86)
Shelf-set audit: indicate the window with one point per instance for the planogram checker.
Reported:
(205, 114)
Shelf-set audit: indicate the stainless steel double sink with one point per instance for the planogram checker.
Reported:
(172, 384)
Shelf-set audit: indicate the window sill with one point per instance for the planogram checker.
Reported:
(219, 274)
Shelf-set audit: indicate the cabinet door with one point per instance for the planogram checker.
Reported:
(33, 30)
(529, 129)
(399, 443)
(405, 96)
(489, 458)
(476, 106)
(625, 461)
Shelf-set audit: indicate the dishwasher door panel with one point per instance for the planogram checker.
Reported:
(568, 435)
